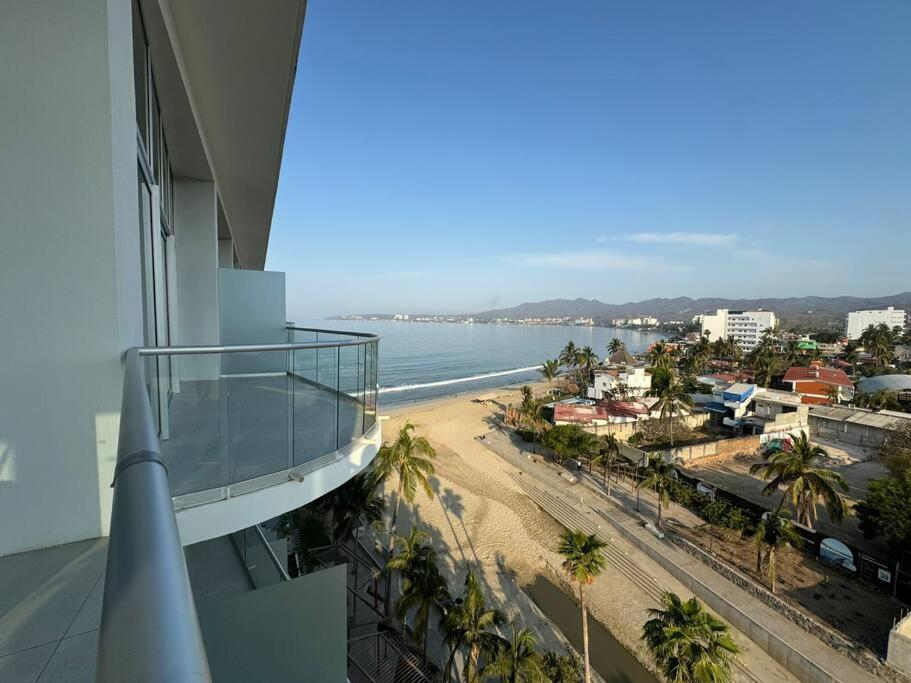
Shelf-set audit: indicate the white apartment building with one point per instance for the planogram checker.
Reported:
(157, 408)
(858, 321)
(746, 327)
(632, 382)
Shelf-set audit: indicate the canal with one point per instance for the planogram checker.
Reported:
(608, 657)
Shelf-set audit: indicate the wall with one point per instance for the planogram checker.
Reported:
(252, 311)
(69, 263)
(625, 430)
(725, 449)
(899, 654)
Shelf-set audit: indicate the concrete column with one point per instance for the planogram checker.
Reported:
(196, 236)
(70, 298)
(225, 253)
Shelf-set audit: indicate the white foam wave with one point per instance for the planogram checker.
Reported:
(458, 380)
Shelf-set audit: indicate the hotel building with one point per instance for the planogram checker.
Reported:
(746, 327)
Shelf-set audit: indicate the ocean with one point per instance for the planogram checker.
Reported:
(420, 361)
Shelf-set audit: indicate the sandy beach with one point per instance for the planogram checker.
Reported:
(480, 517)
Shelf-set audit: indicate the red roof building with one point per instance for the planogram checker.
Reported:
(579, 414)
(814, 383)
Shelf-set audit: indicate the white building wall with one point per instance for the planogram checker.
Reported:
(746, 327)
(858, 321)
(69, 264)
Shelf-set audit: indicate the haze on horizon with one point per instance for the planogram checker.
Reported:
(458, 157)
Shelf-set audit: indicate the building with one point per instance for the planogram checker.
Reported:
(856, 426)
(141, 154)
(858, 321)
(816, 384)
(629, 382)
(746, 327)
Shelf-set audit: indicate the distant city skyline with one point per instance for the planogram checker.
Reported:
(454, 158)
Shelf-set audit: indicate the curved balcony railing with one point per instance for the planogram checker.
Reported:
(231, 414)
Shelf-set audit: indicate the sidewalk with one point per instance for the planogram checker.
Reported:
(576, 505)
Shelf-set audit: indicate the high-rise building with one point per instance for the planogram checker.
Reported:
(159, 416)
(858, 321)
(745, 327)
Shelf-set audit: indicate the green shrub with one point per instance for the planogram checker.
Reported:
(722, 514)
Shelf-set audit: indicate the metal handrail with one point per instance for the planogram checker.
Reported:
(282, 572)
(319, 329)
(149, 627)
(251, 348)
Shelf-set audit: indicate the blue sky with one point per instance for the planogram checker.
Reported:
(459, 156)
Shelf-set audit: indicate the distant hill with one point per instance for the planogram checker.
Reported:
(796, 309)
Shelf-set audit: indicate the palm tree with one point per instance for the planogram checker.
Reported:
(732, 350)
(833, 394)
(516, 660)
(560, 668)
(775, 533)
(568, 355)
(688, 643)
(583, 561)
(879, 341)
(356, 503)
(608, 452)
(615, 345)
(471, 625)
(549, 370)
(423, 588)
(672, 399)
(851, 355)
(587, 361)
(659, 477)
(659, 355)
(766, 364)
(411, 458)
(411, 553)
(878, 400)
(531, 411)
(795, 469)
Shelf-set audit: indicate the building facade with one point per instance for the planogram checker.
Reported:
(142, 147)
(858, 321)
(745, 327)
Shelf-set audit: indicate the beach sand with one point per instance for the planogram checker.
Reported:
(480, 517)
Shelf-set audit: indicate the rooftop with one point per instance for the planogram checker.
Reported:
(814, 373)
(883, 419)
(578, 414)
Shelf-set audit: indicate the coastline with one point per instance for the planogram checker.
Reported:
(480, 517)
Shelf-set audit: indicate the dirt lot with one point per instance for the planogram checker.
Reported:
(845, 603)
(734, 476)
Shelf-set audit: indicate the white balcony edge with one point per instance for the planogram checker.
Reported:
(216, 512)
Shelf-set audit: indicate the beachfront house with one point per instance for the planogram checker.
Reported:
(627, 382)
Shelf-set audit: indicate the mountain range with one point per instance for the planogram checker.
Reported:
(684, 308)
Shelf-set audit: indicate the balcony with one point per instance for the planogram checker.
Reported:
(249, 432)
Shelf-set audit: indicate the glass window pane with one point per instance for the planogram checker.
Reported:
(140, 76)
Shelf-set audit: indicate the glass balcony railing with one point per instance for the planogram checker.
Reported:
(229, 414)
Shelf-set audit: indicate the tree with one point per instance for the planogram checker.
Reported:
(660, 477)
(561, 668)
(878, 400)
(615, 345)
(568, 441)
(471, 625)
(879, 341)
(766, 364)
(795, 469)
(587, 361)
(688, 643)
(549, 370)
(775, 533)
(583, 560)
(355, 503)
(423, 587)
(568, 355)
(672, 399)
(411, 458)
(885, 510)
(531, 411)
(660, 355)
(516, 660)
(608, 452)
(833, 394)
